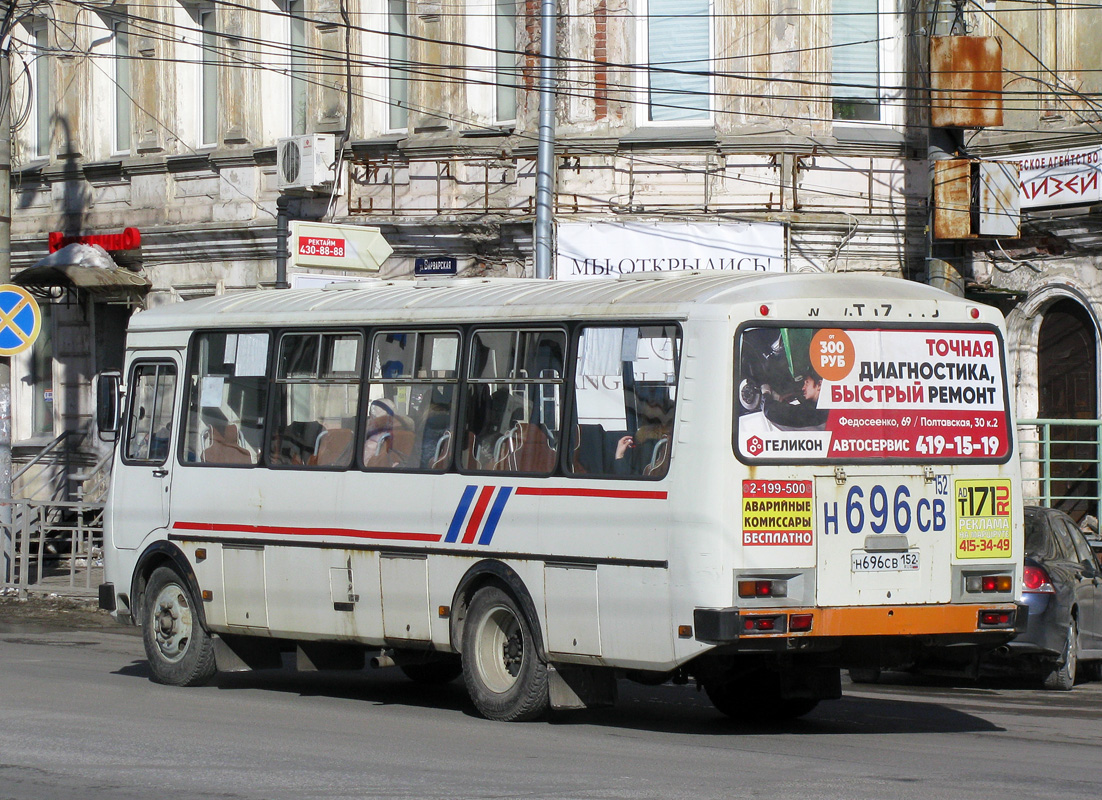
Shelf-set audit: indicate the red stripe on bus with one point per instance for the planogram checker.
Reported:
(625, 494)
(476, 515)
(283, 531)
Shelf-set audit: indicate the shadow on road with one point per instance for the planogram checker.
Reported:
(663, 709)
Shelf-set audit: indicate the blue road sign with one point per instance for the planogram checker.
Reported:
(20, 319)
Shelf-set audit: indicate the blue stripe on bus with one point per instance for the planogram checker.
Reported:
(495, 514)
(460, 513)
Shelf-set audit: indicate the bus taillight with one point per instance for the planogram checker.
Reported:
(771, 624)
(989, 583)
(760, 588)
(996, 618)
(800, 623)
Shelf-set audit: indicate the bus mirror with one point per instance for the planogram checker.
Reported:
(108, 404)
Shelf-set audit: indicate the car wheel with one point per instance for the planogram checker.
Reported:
(1062, 679)
(502, 668)
(180, 651)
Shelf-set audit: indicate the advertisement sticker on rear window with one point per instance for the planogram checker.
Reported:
(983, 518)
(820, 394)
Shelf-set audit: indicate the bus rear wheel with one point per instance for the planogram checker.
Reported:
(502, 669)
(179, 650)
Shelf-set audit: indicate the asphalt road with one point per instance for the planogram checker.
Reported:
(79, 717)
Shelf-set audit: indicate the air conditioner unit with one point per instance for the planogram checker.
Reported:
(305, 163)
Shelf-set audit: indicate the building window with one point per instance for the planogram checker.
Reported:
(505, 46)
(398, 59)
(678, 47)
(208, 79)
(855, 53)
(1067, 390)
(296, 17)
(41, 89)
(33, 392)
(121, 79)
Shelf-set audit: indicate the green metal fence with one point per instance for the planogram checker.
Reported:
(1060, 459)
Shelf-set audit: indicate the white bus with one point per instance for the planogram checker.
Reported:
(750, 481)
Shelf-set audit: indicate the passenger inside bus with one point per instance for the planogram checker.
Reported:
(389, 436)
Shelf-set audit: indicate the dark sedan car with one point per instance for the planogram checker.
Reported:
(1062, 585)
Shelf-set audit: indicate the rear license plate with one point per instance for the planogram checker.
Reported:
(863, 561)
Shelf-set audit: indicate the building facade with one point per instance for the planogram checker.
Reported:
(810, 122)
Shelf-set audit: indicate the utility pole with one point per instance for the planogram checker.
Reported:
(545, 152)
(7, 535)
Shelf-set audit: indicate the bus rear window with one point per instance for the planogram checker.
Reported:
(860, 394)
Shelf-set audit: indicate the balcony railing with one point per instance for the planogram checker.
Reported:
(1060, 459)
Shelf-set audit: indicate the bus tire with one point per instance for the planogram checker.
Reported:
(433, 673)
(751, 705)
(1062, 678)
(502, 668)
(179, 649)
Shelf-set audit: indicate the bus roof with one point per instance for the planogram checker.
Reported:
(650, 295)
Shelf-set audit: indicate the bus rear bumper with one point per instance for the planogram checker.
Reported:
(729, 625)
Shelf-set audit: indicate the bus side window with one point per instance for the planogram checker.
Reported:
(411, 400)
(227, 394)
(514, 387)
(316, 400)
(625, 391)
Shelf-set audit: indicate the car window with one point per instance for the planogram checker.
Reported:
(1063, 537)
(1082, 549)
(1039, 539)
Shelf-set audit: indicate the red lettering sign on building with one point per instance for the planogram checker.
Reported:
(129, 239)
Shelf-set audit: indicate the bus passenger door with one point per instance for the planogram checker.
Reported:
(141, 485)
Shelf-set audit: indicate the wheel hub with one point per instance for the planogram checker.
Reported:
(172, 623)
(512, 653)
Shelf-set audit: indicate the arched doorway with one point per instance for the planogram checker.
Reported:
(1067, 382)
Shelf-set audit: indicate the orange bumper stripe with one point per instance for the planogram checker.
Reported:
(891, 620)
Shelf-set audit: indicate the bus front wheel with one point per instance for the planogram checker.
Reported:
(179, 650)
(502, 669)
